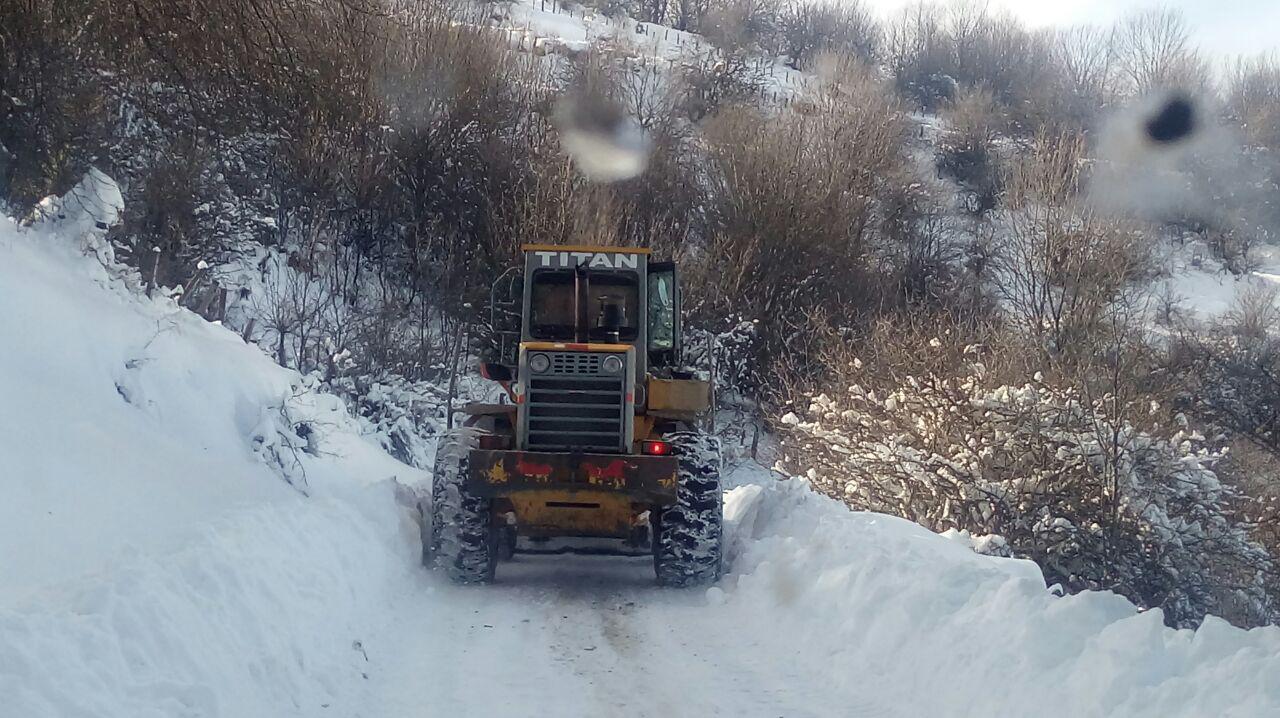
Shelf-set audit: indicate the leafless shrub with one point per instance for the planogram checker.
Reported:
(291, 311)
(918, 55)
(792, 210)
(1169, 307)
(740, 25)
(1155, 52)
(711, 80)
(1253, 99)
(1064, 266)
(967, 148)
(1256, 314)
(52, 99)
(1066, 478)
(934, 51)
(808, 28)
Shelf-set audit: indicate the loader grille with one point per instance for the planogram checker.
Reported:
(575, 406)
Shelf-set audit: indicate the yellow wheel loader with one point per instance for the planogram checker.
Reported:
(598, 436)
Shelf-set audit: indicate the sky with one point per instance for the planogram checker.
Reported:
(1225, 28)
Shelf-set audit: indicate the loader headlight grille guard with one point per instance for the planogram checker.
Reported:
(612, 364)
(539, 363)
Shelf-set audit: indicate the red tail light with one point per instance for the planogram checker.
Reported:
(655, 448)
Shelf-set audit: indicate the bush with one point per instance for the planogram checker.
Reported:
(1097, 502)
(807, 29)
(1064, 270)
(966, 149)
(791, 213)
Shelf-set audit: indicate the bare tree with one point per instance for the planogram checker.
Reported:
(1155, 52)
(1084, 60)
(646, 91)
(808, 28)
(1253, 99)
(1086, 56)
(1064, 265)
(687, 15)
(915, 49)
(654, 11)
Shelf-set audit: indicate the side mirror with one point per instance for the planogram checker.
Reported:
(495, 372)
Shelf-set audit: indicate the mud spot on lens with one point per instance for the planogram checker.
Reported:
(1174, 121)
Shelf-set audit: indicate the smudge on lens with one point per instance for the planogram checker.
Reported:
(1174, 121)
(603, 141)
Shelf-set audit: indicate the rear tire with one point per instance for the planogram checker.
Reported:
(463, 541)
(688, 535)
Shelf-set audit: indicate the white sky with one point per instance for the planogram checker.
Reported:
(1222, 27)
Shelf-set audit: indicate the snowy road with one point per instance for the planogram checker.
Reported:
(588, 636)
(824, 613)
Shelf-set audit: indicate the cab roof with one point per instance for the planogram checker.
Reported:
(583, 248)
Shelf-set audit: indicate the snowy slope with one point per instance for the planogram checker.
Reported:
(1203, 287)
(157, 563)
(548, 27)
(153, 558)
(131, 420)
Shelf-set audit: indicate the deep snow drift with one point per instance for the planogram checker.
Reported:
(153, 558)
(156, 562)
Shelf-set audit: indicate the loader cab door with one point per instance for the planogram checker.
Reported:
(663, 311)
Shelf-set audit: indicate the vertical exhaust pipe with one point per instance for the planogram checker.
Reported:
(581, 296)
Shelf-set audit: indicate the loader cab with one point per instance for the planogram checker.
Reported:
(609, 306)
(588, 295)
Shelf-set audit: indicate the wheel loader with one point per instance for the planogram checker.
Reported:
(596, 433)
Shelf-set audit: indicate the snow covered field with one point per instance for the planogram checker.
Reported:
(156, 562)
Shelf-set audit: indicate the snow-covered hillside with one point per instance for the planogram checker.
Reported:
(171, 543)
(549, 27)
(189, 530)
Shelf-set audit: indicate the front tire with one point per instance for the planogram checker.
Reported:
(463, 542)
(689, 535)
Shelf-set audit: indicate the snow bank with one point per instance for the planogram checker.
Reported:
(127, 421)
(919, 621)
(264, 614)
(185, 527)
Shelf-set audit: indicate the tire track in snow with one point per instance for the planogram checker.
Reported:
(586, 636)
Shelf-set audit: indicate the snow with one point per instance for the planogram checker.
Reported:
(573, 31)
(959, 627)
(260, 614)
(825, 612)
(548, 26)
(1203, 285)
(105, 393)
(158, 562)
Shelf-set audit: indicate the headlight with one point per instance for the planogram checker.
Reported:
(539, 363)
(611, 365)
